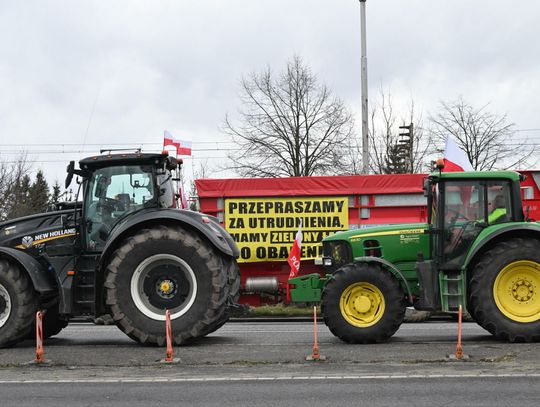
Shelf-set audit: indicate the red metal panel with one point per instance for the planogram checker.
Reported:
(310, 186)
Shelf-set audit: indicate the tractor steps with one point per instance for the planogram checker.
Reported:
(85, 284)
(453, 293)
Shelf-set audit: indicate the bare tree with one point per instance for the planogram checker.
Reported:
(484, 136)
(203, 171)
(13, 175)
(384, 138)
(289, 125)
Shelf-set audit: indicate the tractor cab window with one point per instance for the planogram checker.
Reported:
(469, 207)
(498, 200)
(112, 193)
(167, 198)
(464, 212)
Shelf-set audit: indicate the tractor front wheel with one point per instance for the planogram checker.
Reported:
(505, 291)
(18, 304)
(363, 303)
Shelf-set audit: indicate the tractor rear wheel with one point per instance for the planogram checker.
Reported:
(233, 288)
(505, 291)
(363, 303)
(18, 304)
(161, 269)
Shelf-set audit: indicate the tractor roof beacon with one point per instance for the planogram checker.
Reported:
(125, 250)
(477, 250)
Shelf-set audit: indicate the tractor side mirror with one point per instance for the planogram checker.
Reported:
(70, 171)
(426, 187)
(172, 163)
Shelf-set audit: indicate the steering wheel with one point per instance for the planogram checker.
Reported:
(457, 215)
(110, 205)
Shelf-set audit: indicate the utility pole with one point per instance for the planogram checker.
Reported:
(365, 138)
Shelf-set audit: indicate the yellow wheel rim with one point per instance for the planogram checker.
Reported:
(517, 291)
(362, 304)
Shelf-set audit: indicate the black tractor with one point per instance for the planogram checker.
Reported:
(126, 250)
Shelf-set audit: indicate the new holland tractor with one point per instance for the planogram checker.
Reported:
(477, 250)
(125, 250)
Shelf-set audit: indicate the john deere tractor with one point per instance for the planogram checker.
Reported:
(477, 250)
(125, 250)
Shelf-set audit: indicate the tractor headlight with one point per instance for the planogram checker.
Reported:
(338, 252)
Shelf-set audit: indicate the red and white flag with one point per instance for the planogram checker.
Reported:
(296, 254)
(455, 158)
(183, 147)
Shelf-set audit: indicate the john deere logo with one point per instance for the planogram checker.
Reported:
(27, 241)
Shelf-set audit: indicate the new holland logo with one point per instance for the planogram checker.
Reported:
(27, 241)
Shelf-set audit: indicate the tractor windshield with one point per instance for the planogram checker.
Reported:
(112, 193)
(469, 207)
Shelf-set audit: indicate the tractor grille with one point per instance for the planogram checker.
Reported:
(340, 252)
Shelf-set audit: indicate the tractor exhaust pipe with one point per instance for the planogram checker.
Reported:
(262, 284)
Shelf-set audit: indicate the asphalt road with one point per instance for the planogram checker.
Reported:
(515, 391)
(264, 364)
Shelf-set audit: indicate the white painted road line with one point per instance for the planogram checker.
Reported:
(269, 378)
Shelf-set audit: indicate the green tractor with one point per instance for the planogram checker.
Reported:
(477, 251)
(125, 250)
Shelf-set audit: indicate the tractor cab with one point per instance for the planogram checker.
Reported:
(463, 205)
(116, 186)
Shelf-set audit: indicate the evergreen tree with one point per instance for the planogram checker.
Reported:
(55, 196)
(39, 194)
(395, 164)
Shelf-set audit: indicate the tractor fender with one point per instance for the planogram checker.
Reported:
(392, 268)
(43, 282)
(528, 229)
(212, 230)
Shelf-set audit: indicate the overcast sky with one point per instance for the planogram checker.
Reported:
(91, 74)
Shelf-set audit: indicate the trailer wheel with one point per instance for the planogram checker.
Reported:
(18, 304)
(505, 291)
(165, 268)
(363, 303)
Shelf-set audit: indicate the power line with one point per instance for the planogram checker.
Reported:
(185, 158)
(104, 144)
(196, 150)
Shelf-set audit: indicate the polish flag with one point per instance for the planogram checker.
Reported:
(455, 158)
(182, 147)
(295, 254)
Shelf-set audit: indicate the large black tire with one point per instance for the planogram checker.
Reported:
(18, 304)
(363, 303)
(414, 316)
(165, 268)
(233, 289)
(505, 291)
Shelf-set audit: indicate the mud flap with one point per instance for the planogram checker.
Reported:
(428, 281)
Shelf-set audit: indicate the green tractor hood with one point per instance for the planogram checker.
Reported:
(394, 243)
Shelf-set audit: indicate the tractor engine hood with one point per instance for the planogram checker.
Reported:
(394, 243)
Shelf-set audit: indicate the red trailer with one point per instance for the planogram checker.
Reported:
(530, 194)
(264, 214)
